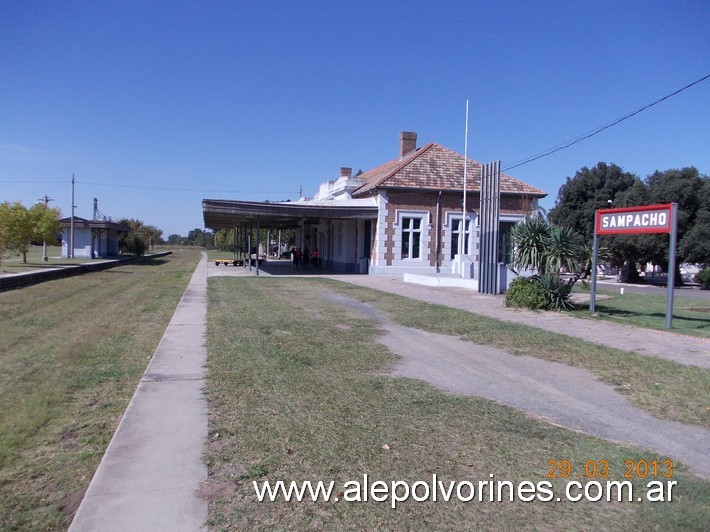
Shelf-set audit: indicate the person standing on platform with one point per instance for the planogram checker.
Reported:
(314, 258)
(296, 253)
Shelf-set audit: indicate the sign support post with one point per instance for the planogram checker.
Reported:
(593, 288)
(671, 265)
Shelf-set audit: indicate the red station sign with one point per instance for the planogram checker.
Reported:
(638, 220)
(635, 220)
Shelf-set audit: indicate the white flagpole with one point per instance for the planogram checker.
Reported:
(462, 232)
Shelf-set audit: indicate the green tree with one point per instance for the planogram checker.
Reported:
(688, 189)
(149, 234)
(200, 238)
(631, 249)
(608, 186)
(695, 245)
(132, 244)
(587, 191)
(15, 228)
(133, 223)
(19, 226)
(174, 239)
(224, 239)
(46, 223)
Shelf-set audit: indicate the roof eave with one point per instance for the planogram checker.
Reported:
(224, 214)
(437, 189)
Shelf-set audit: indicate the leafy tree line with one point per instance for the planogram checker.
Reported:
(224, 238)
(196, 237)
(19, 227)
(608, 186)
(200, 238)
(140, 239)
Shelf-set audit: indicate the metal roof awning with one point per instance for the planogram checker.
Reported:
(227, 214)
(94, 224)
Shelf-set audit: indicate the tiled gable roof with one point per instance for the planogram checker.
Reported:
(436, 167)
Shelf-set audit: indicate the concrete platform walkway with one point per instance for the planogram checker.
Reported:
(153, 466)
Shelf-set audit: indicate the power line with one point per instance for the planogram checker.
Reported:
(601, 128)
(146, 187)
(20, 189)
(540, 155)
(36, 182)
(175, 189)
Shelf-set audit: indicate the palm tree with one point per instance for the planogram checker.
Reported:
(563, 249)
(529, 244)
(548, 249)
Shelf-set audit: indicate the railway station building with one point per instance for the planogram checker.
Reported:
(404, 216)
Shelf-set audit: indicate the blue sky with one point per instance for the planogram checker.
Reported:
(155, 105)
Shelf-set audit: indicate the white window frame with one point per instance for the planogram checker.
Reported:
(515, 219)
(452, 216)
(422, 231)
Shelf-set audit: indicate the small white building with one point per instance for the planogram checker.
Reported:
(92, 238)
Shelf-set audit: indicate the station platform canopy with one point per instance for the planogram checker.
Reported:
(227, 214)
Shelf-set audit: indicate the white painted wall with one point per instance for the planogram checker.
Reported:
(82, 243)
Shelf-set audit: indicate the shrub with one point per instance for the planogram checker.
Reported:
(544, 292)
(703, 277)
(132, 244)
(526, 292)
(557, 292)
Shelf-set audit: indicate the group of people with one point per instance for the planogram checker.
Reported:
(302, 259)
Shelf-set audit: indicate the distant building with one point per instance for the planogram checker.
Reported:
(405, 216)
(92, 238)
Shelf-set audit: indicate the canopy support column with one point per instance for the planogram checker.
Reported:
(258, 242)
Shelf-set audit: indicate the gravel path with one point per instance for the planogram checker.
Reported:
(676, 347)
(565, 395)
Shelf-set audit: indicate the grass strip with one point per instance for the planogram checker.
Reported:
(691, 316)
(73, 351)
(13, 263)
(297, 391)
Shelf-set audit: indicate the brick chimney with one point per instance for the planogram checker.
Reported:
(346, 172)
(407, 143)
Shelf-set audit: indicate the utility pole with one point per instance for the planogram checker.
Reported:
(70, 253)
(46, 199)
(463, 237)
